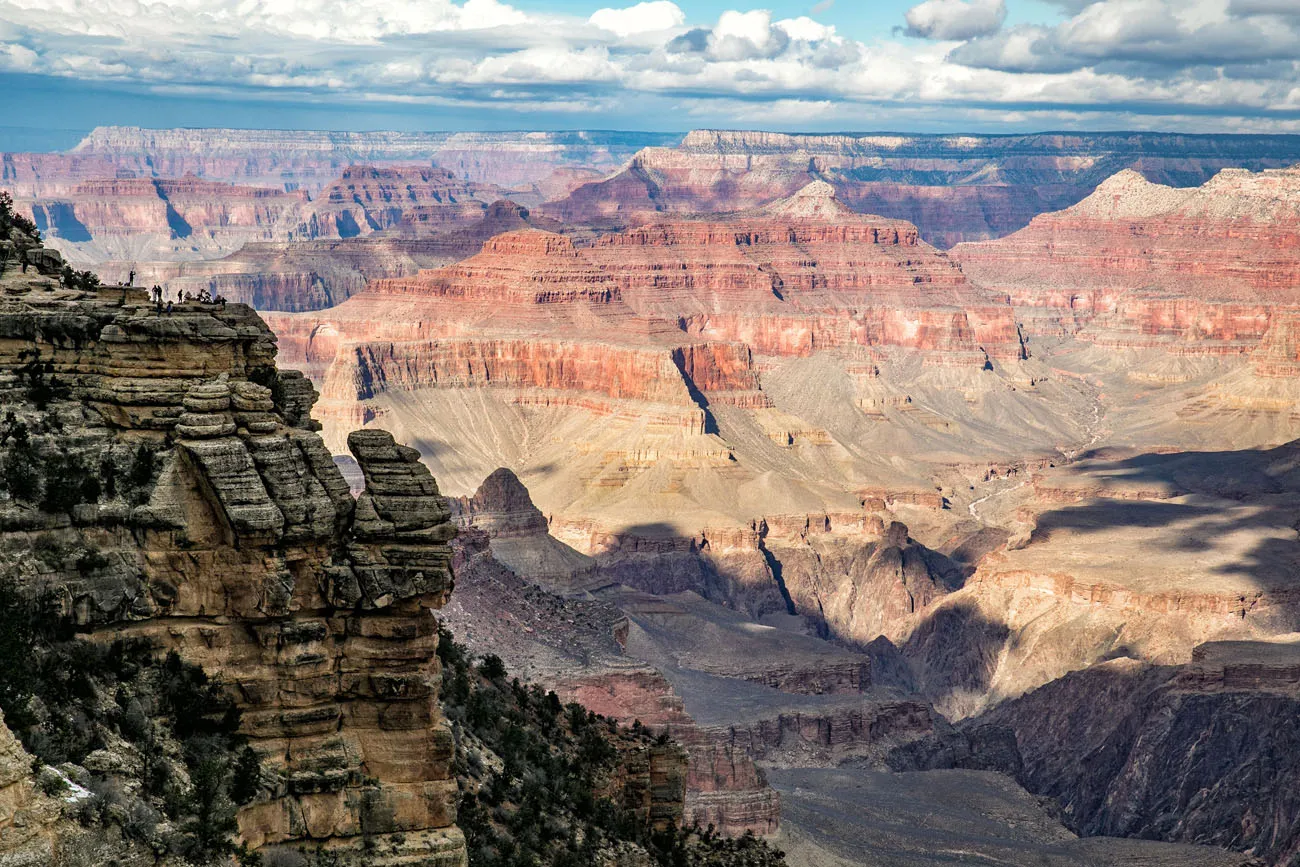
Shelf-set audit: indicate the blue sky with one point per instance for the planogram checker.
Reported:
(669, 65)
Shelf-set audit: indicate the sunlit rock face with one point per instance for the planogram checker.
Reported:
(241, 548)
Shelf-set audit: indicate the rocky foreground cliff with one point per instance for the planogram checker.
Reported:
(214, 649)
(164, 482)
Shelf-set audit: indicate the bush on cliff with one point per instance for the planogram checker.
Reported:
(168, 763)
(11, 219)
(531, 771)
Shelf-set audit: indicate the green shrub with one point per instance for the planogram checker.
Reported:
(11, 219)
(539, 806)
(83, 280)
(65, 697)
(69, 482)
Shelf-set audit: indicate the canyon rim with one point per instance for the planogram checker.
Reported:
(463, 433)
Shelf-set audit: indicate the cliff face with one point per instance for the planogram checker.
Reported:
(954, 188)
(1214, 533)
(222, 529)
(806, 273)
(130, 219)
(29, 819)
(1139, 264)
(306, 157)
(304, 274)
(1200, 752)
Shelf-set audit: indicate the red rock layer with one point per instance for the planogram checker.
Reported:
(803, 274)
(369, 198)
(530, 314)
(1139, 264)
(365, 199)
(955, 188)
(172, 208)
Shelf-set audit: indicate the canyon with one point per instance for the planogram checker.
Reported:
(896, 480)
(953, 188)
(946, 464)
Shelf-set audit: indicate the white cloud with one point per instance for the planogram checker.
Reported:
(806, 29)
(651, 17)
(1121, 58)
(746, 36)
(1175, 34)
(955, 19)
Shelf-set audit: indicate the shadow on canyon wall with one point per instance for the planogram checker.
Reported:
(1183, 496)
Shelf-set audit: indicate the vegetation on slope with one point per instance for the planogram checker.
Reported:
(11, 219)
(534, 774)
(145, 750)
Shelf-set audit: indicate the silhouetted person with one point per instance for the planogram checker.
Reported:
(169, 308)
(130, 280)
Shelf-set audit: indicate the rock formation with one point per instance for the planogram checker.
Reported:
(1200, 752)
(1137, 263)
(307, 159)
(240, 547)
(142, 223)
(1214, 534)
(29, 819)
(954, 189)
(807, 273)
(304, 275)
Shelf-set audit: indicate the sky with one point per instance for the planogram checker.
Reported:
(660, 65)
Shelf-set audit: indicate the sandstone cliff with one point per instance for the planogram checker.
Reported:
(221, 528)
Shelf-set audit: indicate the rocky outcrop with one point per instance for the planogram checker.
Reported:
(223, 530)
(576, 647)
(521, 539)
(29, 819)
(1201, 752)
(963, 188)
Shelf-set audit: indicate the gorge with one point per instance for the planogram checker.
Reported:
(882, 497)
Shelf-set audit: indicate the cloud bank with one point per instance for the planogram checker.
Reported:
(1189, 63)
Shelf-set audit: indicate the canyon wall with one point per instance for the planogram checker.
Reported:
(309, 159)
(954, 188)
(1198, 752)
(243, 551)
(141, 223)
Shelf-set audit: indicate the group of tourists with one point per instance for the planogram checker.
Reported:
(164, 304)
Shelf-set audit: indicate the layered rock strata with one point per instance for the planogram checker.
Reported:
(962, 188)
(139, 223)
(301, 275)
(806, 273)
(1200, 752)
(1214, 534)
(575, 647)
(245, 552)
(306, 158)
(1138, 264)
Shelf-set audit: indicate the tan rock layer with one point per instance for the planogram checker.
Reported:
(251, 558)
